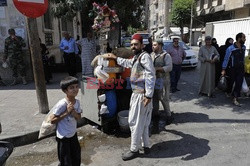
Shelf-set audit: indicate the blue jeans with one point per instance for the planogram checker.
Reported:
(175, 75)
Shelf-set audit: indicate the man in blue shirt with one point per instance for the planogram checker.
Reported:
(234, 63)
(70, 49)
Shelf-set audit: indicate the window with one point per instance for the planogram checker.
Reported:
(67, 25)
(48, 39)
(64, 24)
(48, 20)
(209, 3)
(3, 2)
(219, 2)
(201, 4)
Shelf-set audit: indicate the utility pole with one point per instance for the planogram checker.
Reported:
(37, 64)
(191, 25)
(167, 15)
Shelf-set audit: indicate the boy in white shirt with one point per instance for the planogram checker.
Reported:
(66, 113)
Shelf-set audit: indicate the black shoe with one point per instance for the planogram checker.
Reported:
(145, 150)
(173, 90)
(212, 96)
(130, 155)
(169, 119)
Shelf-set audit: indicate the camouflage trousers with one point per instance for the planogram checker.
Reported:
(17, 66)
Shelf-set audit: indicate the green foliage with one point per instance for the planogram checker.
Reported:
(181, 12)
(131, 30)
(67, 8)
(129, 11)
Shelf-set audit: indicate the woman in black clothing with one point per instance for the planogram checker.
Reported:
(217, 64)
(222, 52)
(223, 48)
(46, 68)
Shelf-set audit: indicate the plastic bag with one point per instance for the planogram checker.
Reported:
(222, 85)
(244, 87)
(47, 127)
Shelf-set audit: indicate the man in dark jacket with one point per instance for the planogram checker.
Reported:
(234, 63)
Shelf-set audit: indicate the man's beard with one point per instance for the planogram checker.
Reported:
(242, 42)
(136, 51)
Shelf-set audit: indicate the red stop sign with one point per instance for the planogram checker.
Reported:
(31, 8)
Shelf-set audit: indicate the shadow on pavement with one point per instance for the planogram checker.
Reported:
(159, 124)
(190, 117)
(54, 83)
(189, 147)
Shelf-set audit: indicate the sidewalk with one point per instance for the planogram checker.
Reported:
(19, 111)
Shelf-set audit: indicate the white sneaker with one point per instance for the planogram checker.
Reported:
(235, 102)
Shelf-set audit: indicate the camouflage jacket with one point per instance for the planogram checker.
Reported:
(13, 47)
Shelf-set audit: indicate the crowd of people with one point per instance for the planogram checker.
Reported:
(154, 74)
(226, 60)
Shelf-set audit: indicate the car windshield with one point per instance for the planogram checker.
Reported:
(181, 43)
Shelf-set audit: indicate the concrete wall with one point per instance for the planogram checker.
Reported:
(231, 4)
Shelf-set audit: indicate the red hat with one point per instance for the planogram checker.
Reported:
(137, 37)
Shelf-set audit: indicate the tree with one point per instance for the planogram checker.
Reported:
(181, 13)
(129, 11)
(67, 8)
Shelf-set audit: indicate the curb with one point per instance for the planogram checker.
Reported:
(33, 136)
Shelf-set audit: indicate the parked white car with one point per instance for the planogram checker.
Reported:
(191, 59)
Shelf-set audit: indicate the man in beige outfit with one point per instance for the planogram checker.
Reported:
(163, 65)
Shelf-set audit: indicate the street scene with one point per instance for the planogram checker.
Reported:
(138, 82)
(204, 132)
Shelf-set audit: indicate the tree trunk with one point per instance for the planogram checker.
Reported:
(37, 64)
(181, 32)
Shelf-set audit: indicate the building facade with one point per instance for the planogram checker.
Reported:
(219, 10)
(159, 17)
(50, 31)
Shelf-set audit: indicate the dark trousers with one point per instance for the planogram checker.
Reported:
(175, 75)
(236, 75)
(70, 62)
(69, 151)
(218, 68)
(17, 66)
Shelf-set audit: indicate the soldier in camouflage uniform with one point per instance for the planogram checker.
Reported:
(13, 51)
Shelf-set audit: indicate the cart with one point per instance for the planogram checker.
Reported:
(89, 103)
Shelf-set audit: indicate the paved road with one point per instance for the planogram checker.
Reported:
(205, 132)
